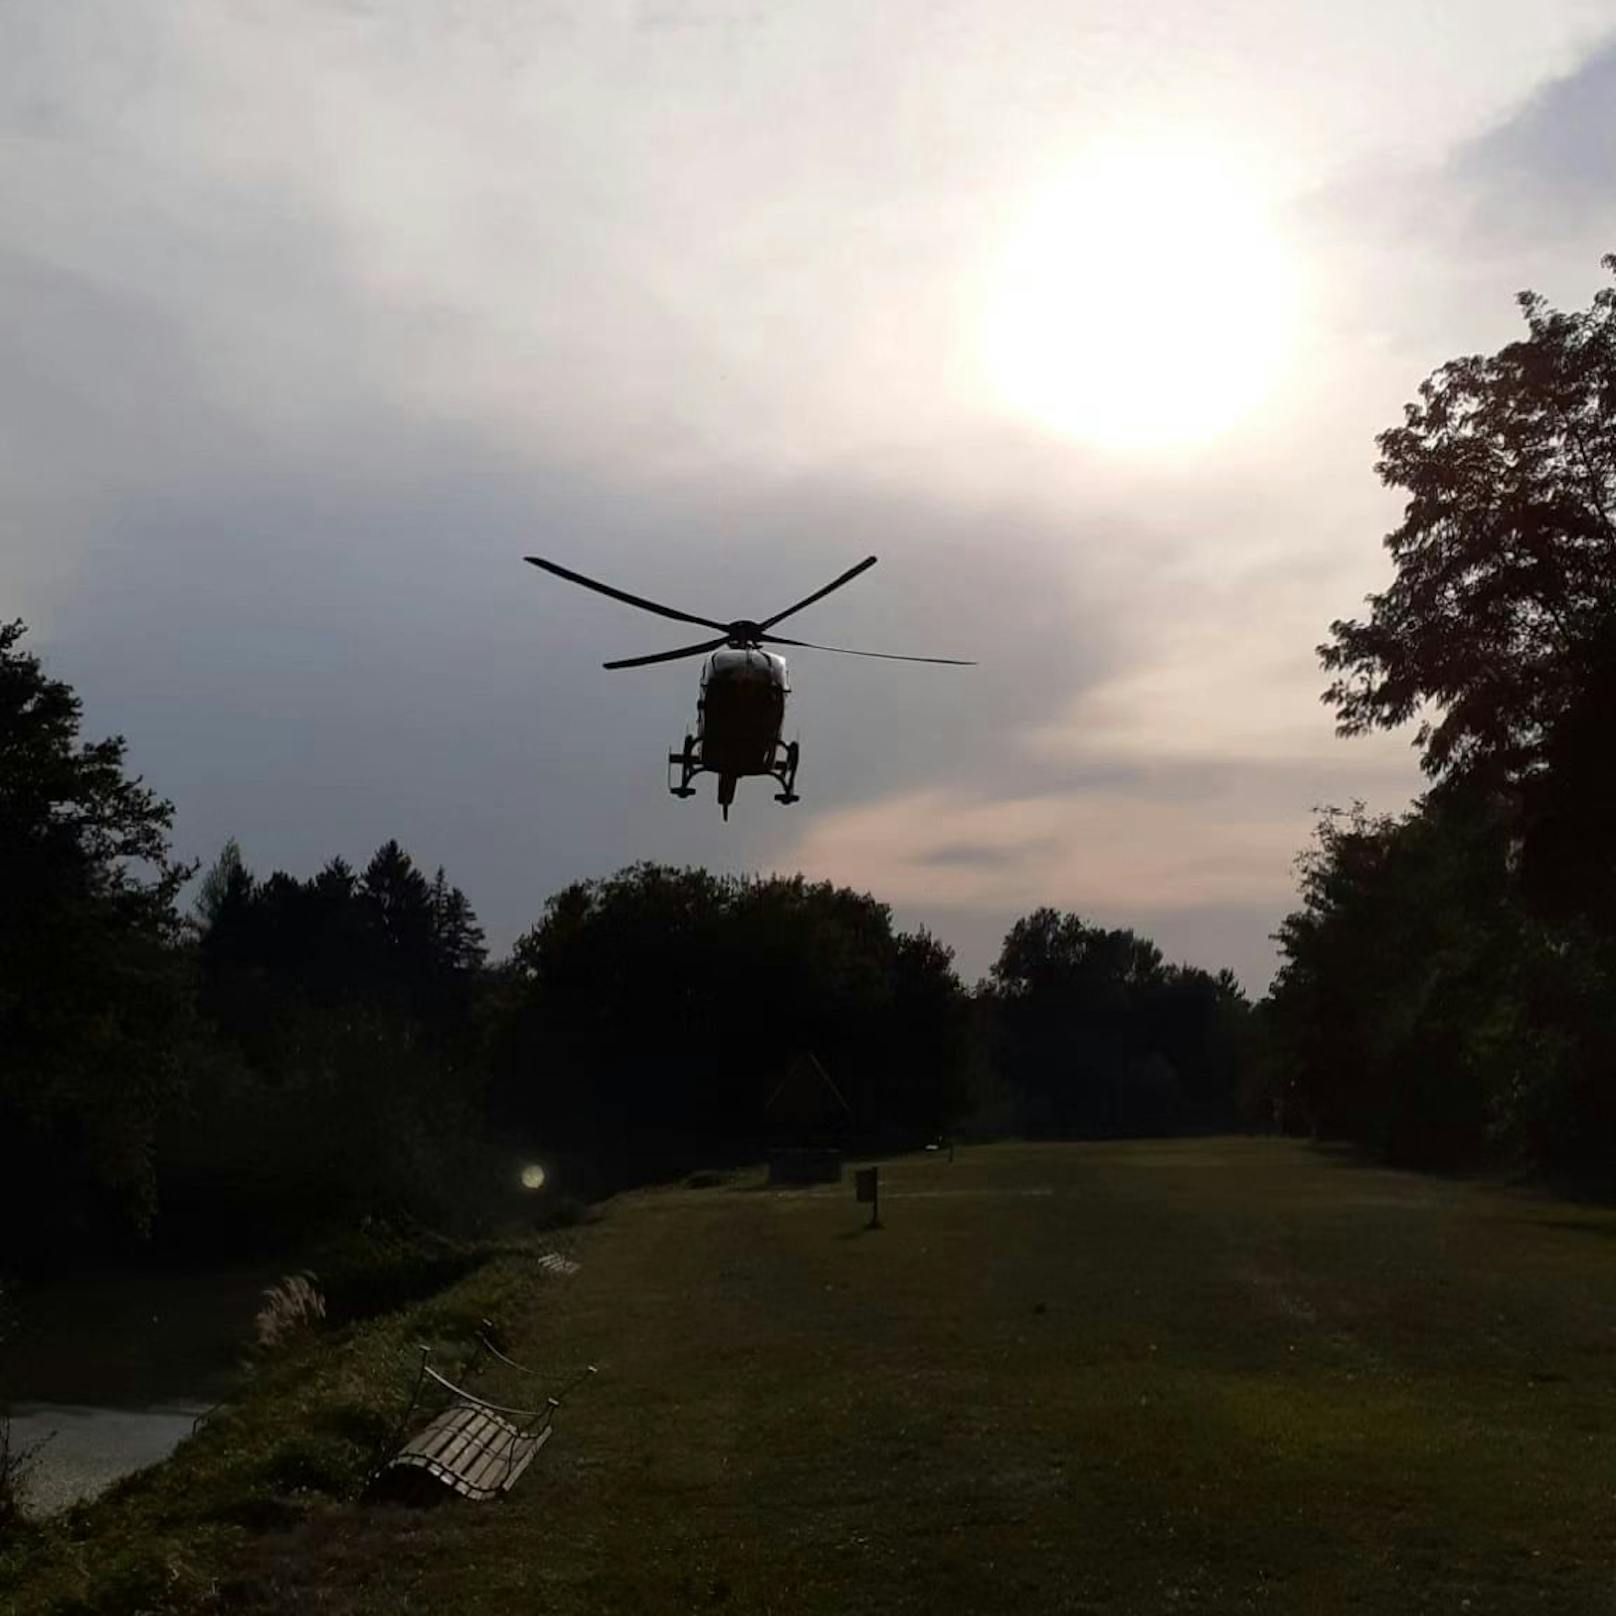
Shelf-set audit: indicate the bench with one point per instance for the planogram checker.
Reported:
(473, 1446)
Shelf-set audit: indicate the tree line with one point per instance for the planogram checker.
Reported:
(291, 1054)
(1447, 990)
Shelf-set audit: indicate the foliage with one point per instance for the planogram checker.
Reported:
(1100, 1037)
(376, 1267)
(649, 1015)
(339, 1078)
(1447, 983)
(1424, 1010)
(92, 1003)
(293, 1307)
(1398, 1002)
(1505, 593)
(389, 942)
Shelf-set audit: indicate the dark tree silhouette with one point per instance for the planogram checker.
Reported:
(346, 1077)
(1448, 981)
(1100, 1037)
(91, 999)
(1398, 1002)
(647, 1016)
(1505, 595)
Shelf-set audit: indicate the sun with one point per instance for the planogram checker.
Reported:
(1146, 301)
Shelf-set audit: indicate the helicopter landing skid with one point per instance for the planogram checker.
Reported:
(689, 767)
(786, 773)
(782, 770)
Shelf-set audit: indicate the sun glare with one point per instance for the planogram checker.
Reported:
(1146, 301)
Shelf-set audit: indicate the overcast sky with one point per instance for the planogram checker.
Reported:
(316, 316)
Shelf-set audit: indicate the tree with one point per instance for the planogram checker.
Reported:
(1448, 980)
(343, 1008)
(400, 902)
(646, 1018)
(227, 885)
(1504, 600)
(457, 938)
(1421, 1010)
(1100, 1036)
(91, 991)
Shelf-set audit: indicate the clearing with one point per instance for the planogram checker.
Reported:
(1206, 1375)
(1210, 1375)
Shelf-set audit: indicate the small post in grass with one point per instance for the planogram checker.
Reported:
(867, 1186)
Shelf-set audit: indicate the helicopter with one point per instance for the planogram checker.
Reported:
(742, 701)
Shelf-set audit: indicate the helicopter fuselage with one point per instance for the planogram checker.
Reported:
(740, 710)
(739, 714)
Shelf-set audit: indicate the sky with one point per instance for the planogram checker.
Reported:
(317, 315)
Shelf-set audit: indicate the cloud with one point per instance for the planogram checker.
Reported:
(1089, 850)
(1546, 173)
(1426, 253)
(318, 316)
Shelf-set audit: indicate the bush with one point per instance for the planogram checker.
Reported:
(379, 1267)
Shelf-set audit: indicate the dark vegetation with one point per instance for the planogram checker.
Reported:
(1448, 988)
(299, 1057)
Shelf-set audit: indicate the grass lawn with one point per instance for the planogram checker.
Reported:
(1219, 1375)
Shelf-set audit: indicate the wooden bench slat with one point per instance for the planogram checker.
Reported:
(473, 1450)
(467, 1435)
(471, 1439)
(485, 1446)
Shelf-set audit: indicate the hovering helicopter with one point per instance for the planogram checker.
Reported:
(742, 703)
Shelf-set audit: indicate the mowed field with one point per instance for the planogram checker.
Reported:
(1222, 1375)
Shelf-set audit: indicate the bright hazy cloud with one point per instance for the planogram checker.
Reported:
(315, 317)
(1146, 303)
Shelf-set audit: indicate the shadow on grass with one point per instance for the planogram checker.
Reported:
(1337, 1153)
(1523, 1181)
(1604, 1228)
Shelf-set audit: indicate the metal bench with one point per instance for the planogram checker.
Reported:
(473, 1446)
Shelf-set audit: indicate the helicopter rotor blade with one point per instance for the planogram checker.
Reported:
(668, 656)
(622, 594)
(819, 594)
(885, 656)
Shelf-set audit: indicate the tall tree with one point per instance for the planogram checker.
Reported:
(457, 937)
(91, 995)
(1504, 600)
(1449, 974)
(1400, 1004)
(1076, 1032)
(650, 1015)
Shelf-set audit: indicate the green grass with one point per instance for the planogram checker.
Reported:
(1196, 1376)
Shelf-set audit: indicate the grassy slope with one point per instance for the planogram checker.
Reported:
(1222, 1375)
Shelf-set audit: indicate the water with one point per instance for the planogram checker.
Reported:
(111, 1370)
(85, 1449)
